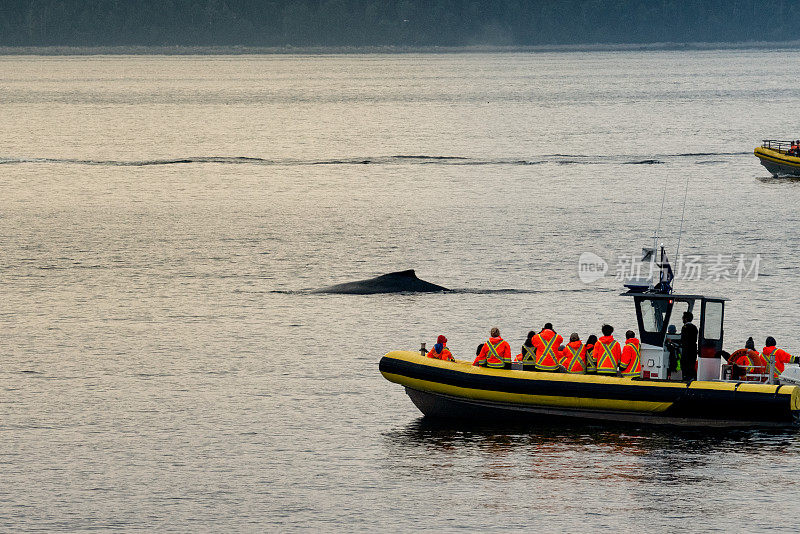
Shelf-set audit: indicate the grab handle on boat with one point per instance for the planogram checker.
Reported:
(423, 350)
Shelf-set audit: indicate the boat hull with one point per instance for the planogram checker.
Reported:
(457, 390)
(778, 163)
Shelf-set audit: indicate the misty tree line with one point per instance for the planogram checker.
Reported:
(392, 22)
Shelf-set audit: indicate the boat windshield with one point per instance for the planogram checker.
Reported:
(653, 314)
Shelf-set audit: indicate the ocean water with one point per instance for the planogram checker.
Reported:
(163, 220)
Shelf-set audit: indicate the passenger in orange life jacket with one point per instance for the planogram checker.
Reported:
(527, 354)
(496, 353)
(573, 356)
(440, 350)
(607, 352)
(631, 362)
(547, 343)
(780, 356)
(747, 361)
(588, 348)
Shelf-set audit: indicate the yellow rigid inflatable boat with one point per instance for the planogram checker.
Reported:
(459, 390)
(773, 156)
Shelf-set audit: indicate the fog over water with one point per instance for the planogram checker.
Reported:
(164, 220)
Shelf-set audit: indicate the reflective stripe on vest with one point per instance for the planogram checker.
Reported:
(774, 357)
(548, 350)
(607, 364)
(575, 365)
(630, 370)
(493, 350)
(530, 354)
(591, 365)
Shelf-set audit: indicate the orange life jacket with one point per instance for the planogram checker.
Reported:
(631, 361)
(444, 355)
(752, 361)
(547, 343)
(495, 354)
(573, 358)
(607, 355)
(781, 359)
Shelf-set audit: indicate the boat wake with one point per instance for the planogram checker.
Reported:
(558, 159)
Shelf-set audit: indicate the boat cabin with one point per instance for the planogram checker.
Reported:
(660, 319)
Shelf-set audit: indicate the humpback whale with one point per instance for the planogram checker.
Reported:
(398, 282)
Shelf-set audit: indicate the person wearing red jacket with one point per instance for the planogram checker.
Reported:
(748, 361)
(780, 356)
(547, 343)
(440, 350)
(631, 361)
(607, 352)
(573, 357)
(496, 352)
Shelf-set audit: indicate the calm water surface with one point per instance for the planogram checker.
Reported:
(162, 219)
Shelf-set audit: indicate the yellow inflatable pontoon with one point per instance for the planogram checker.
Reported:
(458, 390)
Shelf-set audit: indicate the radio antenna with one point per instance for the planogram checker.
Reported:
(680, 232)
(660, 215)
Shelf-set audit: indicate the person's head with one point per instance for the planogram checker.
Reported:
(672, 329)
(629, 334)
(441, 339)
(750, 344)
(574, 337)
(529, 339)
(494, 332)
(770, 342)
(591, 340)
(688, 317)
(607, 329)
(548, 326)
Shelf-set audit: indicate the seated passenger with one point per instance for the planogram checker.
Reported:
(747, 361)
(591, 364)
(547, 343)
(630, 364)
(528, 353)
(573, 356)
(440, 350)
(607, 352)
(496, 353)
(780, 356)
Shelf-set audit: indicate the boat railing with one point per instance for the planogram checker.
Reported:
(776, 144)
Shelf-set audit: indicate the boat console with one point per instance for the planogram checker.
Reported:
(659, 314)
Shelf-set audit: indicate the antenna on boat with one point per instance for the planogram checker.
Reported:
(660, 215)
(680, 232)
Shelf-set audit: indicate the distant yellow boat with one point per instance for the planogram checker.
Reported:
(773, 155)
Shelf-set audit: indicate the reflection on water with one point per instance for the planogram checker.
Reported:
(592, 468)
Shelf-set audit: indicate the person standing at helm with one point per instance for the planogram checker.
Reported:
(573, 357)
(607, 352)
(631, 362)
(547, 343)
(496, 352)
(780, 356)
(440, 350)
(528, 353)
(588, 348)
(688, 348)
